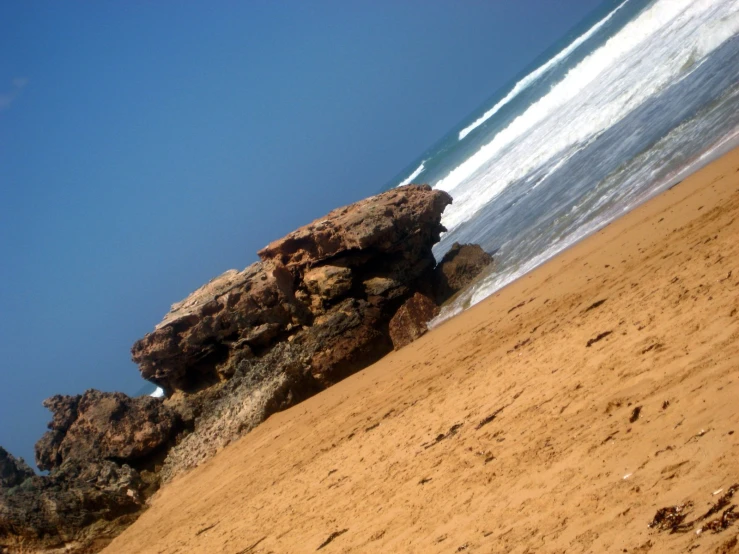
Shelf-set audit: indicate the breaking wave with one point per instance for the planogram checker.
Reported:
(408, 180)
(535, 75)
(644, 57)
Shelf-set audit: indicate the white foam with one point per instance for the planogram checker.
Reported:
(645, 56)
(157, 393)
(413, 175)
(535, 75)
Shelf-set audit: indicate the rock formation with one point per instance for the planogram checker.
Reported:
(100, 449)
(13, 471)
(79, 507)
(104, 426)
(324, 302)
(458, 268)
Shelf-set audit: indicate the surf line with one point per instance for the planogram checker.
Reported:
(535, 75)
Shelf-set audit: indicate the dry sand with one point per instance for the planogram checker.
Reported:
(502, 430)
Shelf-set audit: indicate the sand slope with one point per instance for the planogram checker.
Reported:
(502, 430)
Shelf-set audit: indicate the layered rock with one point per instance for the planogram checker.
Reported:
(404, 221)
(409, 322)
(200, 339)
(461, 265)
(104, 426)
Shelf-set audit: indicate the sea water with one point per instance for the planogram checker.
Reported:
(634, 99)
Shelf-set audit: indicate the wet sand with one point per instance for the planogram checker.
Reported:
(558, 415)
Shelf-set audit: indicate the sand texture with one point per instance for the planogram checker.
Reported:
(557, 416)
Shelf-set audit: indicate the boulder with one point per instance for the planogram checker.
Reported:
(458, 268)
(104, 426)
(409, 322)
(13, 471)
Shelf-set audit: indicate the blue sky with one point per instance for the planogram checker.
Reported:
(147, 147)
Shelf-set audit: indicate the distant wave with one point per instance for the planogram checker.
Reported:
(643, 58)
(157, 393)
(408, 180)
(534, 76)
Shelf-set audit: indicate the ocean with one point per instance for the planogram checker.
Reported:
(638, 96)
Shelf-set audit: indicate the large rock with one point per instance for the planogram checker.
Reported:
(410, 320)
(303, 275)
(405, 220)
(13, 471)
(104, 426)
(458, 268)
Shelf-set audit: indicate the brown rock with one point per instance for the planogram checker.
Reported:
(402, 220)
(314, 311)
(458, 268)
(99, 426)
(409, 322)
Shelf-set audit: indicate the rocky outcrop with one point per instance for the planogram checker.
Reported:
(13, 471)
(104, 426)
(409, 322)
(461, 265)
(324, 302)
(371, 251)
(317, 307)
(100, 451)
(79, 508)
(202, 337)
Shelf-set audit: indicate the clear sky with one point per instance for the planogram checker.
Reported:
(146, 147)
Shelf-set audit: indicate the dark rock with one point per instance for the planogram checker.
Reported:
(99, 425)
(409, 322)
(458, 268)
(79, 507)
(13, 471)
(346, 339)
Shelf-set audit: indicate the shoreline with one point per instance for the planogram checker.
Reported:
(560, 413)
(716, 151)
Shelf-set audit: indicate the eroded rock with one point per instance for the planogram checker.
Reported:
(194, 345)
(79, 507)
(104, 426)
(405, 219)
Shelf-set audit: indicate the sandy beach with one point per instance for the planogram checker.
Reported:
(559, 415)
